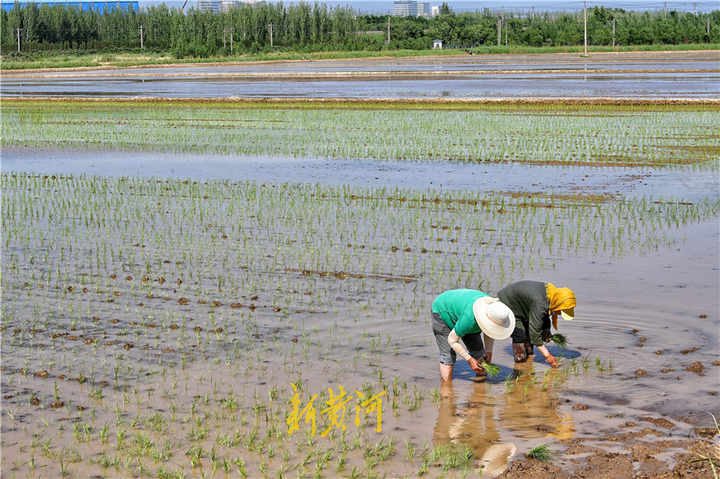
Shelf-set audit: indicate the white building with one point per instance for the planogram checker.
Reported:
(423, 10)
(412, 8)
(435, 11)
(208, 5)
(405, 8)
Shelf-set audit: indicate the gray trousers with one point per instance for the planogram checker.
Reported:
(448, 356)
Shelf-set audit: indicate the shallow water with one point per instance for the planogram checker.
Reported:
(692, 183)
(660, 293)
(571, 86)
(635, 75)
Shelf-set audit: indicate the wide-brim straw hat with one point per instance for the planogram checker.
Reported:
(495, 319)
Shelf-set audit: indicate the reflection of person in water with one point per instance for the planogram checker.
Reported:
(487, 420)
(531, 408)
(535, 305)
(465, 313)
(474, 424)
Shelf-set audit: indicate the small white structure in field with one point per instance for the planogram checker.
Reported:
(437, 44)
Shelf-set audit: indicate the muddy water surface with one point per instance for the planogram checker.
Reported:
(691, 183)
(666, 75)
(652, 314)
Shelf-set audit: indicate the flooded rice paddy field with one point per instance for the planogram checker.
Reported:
(177, 323)
(656, 75)
(678, 85)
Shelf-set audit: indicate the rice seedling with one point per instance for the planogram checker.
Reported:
(190, 312)
(540, 453)
(560, 340)
(519, 134)
(493, 370)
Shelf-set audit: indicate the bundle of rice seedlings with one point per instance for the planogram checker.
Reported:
(541, 453)
(492, 369)
(559, 340)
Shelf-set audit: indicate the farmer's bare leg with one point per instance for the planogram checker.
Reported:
(446, 372)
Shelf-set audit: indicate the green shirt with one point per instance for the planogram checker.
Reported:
(529, 303)
(455, 307)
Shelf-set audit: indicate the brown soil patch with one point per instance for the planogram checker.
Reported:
(533, 468)
(696, 367)
(659, 422)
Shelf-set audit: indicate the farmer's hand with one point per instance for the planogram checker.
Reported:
(548, 357)
(546, 335)
(475, 365)
(488, 357)
(551, 360)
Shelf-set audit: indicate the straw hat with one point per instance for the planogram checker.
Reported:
(495, 319)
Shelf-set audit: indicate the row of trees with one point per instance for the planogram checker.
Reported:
(305, 27)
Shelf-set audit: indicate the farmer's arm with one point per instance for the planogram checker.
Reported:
(539, 321)
(548, 357)
(454, 341)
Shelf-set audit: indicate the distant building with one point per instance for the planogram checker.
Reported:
(411, 8)
(423, 10)
(208, 6)
(227, 5)
(435, 11)
(405, 8)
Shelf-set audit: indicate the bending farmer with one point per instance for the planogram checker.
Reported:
(535, 305)
(465, 313)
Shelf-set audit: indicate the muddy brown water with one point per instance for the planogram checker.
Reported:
(629, 309)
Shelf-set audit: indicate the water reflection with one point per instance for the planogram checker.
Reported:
(484, 416)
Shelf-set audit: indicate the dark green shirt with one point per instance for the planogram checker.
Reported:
(529, 303)
(455, 307)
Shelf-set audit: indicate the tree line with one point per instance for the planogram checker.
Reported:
(305, 27)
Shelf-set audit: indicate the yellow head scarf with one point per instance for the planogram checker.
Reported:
(560, 298)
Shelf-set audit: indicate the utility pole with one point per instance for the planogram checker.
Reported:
(499, 29)
(270, 26)
(142, 32)
(503, 14)
(19, 30)
(225, 30)
(388, 38)
(613, 32)
(533, 13)
(665, 10)
(585, 14)
(694, 8)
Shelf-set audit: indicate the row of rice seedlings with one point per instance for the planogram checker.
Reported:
(141, 310)
(231, 428)
(613, 137)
